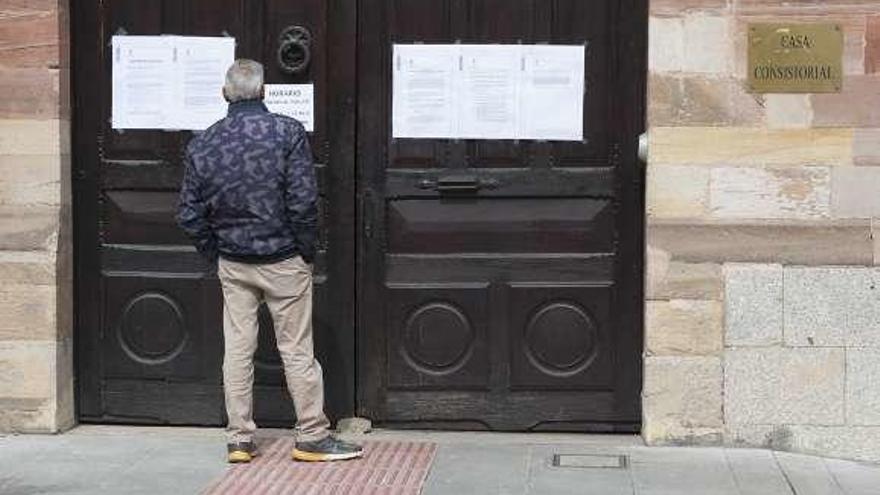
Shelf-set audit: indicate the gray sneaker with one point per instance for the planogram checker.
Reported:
(327, 449)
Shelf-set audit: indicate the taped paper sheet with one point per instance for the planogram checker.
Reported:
(169, 82)
(488, 92)
(202, 66)
(424, 91)
(552, 89)
(143, 81)
(293, 100)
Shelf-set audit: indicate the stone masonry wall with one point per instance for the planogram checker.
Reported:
(36, 371)
(763, 311)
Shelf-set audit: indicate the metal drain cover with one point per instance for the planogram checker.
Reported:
(589, 461)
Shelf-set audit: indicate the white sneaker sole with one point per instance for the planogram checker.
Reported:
(301, 455)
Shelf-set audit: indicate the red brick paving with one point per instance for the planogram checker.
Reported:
(387, 468)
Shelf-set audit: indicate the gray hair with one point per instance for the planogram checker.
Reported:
(244, 81)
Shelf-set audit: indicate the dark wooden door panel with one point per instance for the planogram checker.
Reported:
(149, 327)
(522, 225)
(561, 337)
(497, 276)
(438, 336)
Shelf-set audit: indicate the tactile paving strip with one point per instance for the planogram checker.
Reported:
(387, 468)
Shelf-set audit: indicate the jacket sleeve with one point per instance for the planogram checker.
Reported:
(192, 213)
(301, 196)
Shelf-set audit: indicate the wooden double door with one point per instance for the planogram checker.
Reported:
(459, 283)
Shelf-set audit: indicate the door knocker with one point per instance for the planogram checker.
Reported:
(294, 50)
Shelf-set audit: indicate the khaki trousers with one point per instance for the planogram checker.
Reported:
(286, 287)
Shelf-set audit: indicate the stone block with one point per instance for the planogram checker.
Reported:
(666, 46)
(862, 393)
(658, 433)
(778, 385)
(29, 93)
(29, 137)
(65, 180)
(677, 192)
(31, 179)
(848, 442)
(679, 7)
(65, 402)
(817, 304)
(64, 305)
(29, 39)
(753, 304)
(875, 235)
(28, 228)
(688, 281)
(27, 416)
(28, 370)
(27, 267)
(701, 101)
(872, 45)
(683, 328)
(21, 8)
(855, 192)
(742, 146)
(28, 312)
(831, 307)
(776, 437)
(64, 28)
(665, 95)
(656, 268)
(701, 32)
(801, 8)
(866, 147)
(774, 193)
(843, 242)
(681, 393)
(788, 111)
(855, 106)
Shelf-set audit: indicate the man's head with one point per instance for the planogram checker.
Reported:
(244, 81)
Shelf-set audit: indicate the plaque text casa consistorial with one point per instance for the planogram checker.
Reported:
(795, 58)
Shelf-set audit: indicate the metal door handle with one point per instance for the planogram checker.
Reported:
(643, 147)
(458, 184)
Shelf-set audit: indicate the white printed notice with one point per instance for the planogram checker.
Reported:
(201, 66)
(143, 82)
(424, 91)
(488, 92)
(552, 93)
(169, 82)
(293, 100)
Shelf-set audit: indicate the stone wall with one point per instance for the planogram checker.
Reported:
(36, 351)
(763, 315)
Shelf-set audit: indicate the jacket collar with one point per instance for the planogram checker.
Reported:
(247, 106)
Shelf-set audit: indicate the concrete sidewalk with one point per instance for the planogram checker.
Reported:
(99, 460)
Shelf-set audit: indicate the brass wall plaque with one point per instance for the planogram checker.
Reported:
(795, 58)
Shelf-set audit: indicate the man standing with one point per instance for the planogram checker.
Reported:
(248, 201)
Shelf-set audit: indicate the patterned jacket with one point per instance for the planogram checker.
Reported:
(249, 192)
